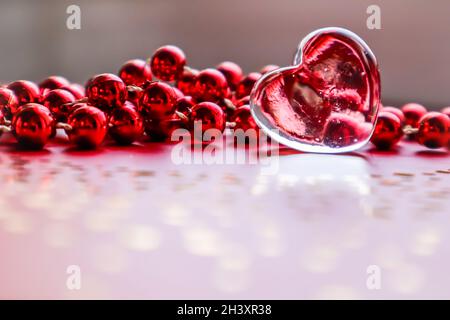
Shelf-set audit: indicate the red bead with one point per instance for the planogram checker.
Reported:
(342, 130)
(157, 100)
(413, 112)
(57, 102)
(126, 124)
(135, 72)
(209, 115)
(211, 85)
(106, 91)
(269, 68)
(395, 111)
(232, 72)
(246, 85)
(162, 129)
(167, 63)
(134, 95)
(185, 105)
(446, 111)
(243, 119)
(89, 127)
(25, 91)
(33, 125)
(186, 82)
(8, 102)
(388, 130)
(52, 83)
(434, 130)
(75, 89)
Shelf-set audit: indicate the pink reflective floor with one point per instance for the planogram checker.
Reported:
(140, 226)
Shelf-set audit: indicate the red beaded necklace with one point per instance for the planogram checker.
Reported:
(133, 104)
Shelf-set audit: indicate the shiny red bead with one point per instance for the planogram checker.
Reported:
(52, 83)
(395, 111)
(446, 111)
(162, 129)
(157, 101)
(388, 130)
(413, 112)
(75, 89)
(135, 72)
(57, 101)
(186, 82)
(125, 124)
(8, 102)
(243, 119)
(434, 130)
(33, 125)
(268, 68)
(232, 72)
(106, 91)
(245, 87)
(209, 115)
(342, 130)
(167, 63)
(211, 85)
(25, 91)
(184, 105)
(89, 127)
(134, 95)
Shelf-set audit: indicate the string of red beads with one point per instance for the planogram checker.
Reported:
(430, 129)
(157, 96)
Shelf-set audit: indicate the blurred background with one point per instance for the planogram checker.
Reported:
(412, 47)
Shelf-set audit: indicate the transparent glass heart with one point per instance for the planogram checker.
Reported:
(327, 102)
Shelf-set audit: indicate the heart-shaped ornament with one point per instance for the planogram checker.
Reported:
(328, 101)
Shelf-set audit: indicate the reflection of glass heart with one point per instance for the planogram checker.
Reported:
(327, 101)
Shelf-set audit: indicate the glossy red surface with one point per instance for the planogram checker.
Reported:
(140, 226)
(243, 119)
(75, 89)
(388, 130)
(57, 102)
(434, 130)
(211, 85)
(33, 125)
(134, 95)
(52, 83)
(106, 91)
(125, 124)
(246, 85)
(8, 102)
(25, 91)
(395, 111)
(413, 112)
(186, 82)
(89, 127)
(185, 105)
(209, 115)
(135, 72)
(167, 63)
(157, 101)
(327, 101)
(232, 72)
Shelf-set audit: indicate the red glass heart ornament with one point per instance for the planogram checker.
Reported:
(327, 101)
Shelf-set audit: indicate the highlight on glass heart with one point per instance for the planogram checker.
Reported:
(328, 101)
